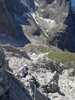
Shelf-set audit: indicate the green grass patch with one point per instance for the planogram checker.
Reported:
(62, 56)
(58, 55)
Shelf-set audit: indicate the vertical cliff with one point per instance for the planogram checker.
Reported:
(6, 20)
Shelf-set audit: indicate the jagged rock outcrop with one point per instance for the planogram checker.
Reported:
(57, 20)
(52, 18)
(37, 72)
(13, 17)
(43, 78)
(39, 77)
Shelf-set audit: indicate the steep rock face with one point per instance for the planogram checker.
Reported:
(20, 13)
(53, 18)
(56, 19)
(70, 30)
(4, 84)
(4, 18)
(14, 15)
(11, 13)
(43, 78)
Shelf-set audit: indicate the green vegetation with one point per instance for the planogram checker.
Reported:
(54, 54)
(40, 48)
(62, 56)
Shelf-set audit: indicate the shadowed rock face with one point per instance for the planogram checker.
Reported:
(51, 16)
(4, 21)
(67, 40)
(4, 84)
(14, 15)
(62, 33)
(11, 13)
